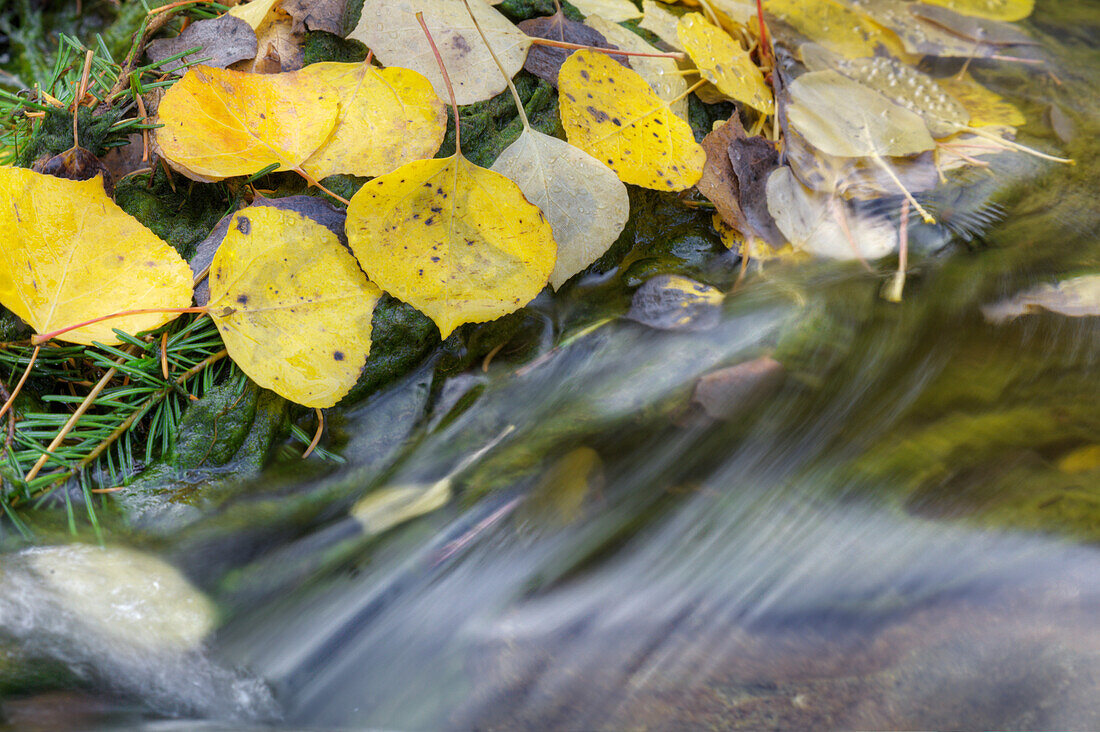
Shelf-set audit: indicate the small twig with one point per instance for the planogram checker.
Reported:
(316, 435)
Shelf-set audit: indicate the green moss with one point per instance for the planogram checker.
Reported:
(182, 216)
(320, 46)
(54, 134)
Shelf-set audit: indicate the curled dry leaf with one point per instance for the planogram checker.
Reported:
(611, 113)
(662, 74)
(223, 40)
(460, 243)
(55, 270)
(292, 305)
(219, 123)
(390, 29)
(586, 204)
(723, 62)
(388, 117)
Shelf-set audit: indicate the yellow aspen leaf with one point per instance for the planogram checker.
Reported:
(388, 117)
(70, 254)
(617, 11)
(459, 242)
(584, 201)
(220, 123)
(611, 113)
(660, 23)
(723, 62)
(986, 108)
(1007, 10)
(662, 74)
(841, 30)
(253, 12)
(390, 29)
(292, 305)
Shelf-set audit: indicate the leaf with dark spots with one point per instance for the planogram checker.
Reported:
(674, 302)
(545, 61)
(222, 41)
(753, 159)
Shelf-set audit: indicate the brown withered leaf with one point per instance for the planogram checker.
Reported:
(224, 40)
(76, 163)
(545, 61)
(279, 46)
(752, 160)
(316, 15)
(719, 184)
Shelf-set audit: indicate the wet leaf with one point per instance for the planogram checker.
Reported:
(815, 223)
(560, 494)
(662, 74)
(845, 118)
(674, 302)
(388, 117)
(976, 29)
(224, 40)
(611, 113)
(292, 305)
(460, 243)
(616, 11)
(723, 62)
(390, 29)
(718, 182)
(391, 506)
(279, 46)
(1077, 297)
(917, 36)
(984, 108)
(1007, 10)
(57, 269)
(584, 201)
(545, 61)
(838, 28)
(753, 159)
(220, 123)
(660, 23)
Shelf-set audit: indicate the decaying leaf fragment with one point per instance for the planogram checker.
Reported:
(723, 62)
(390, 29)
(70, 254)
(224, 40)
(611, 113)
(219, 123)
(460, 243)
(388, 117)
(292, 305)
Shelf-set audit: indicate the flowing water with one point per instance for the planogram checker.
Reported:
(896, 534)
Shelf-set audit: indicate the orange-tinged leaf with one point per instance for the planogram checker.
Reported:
(220, 123)
(292, 305)
(611, 113)
(459, 242)
(69, 254)
(388, 117)
(723, 62)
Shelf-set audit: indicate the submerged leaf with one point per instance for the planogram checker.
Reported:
(993, 9)
(292, 305)
(388, 117)
(56, 268)
(840, 29)
(220, 123)
(845, 118)
(1077, 297)
(674, 302)
(611, 113)
(460, 243)
(984, 108)
(390, 29)
(824, 225)
(584, 201)
(723, 62)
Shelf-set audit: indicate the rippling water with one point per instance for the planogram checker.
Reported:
(885, 541)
